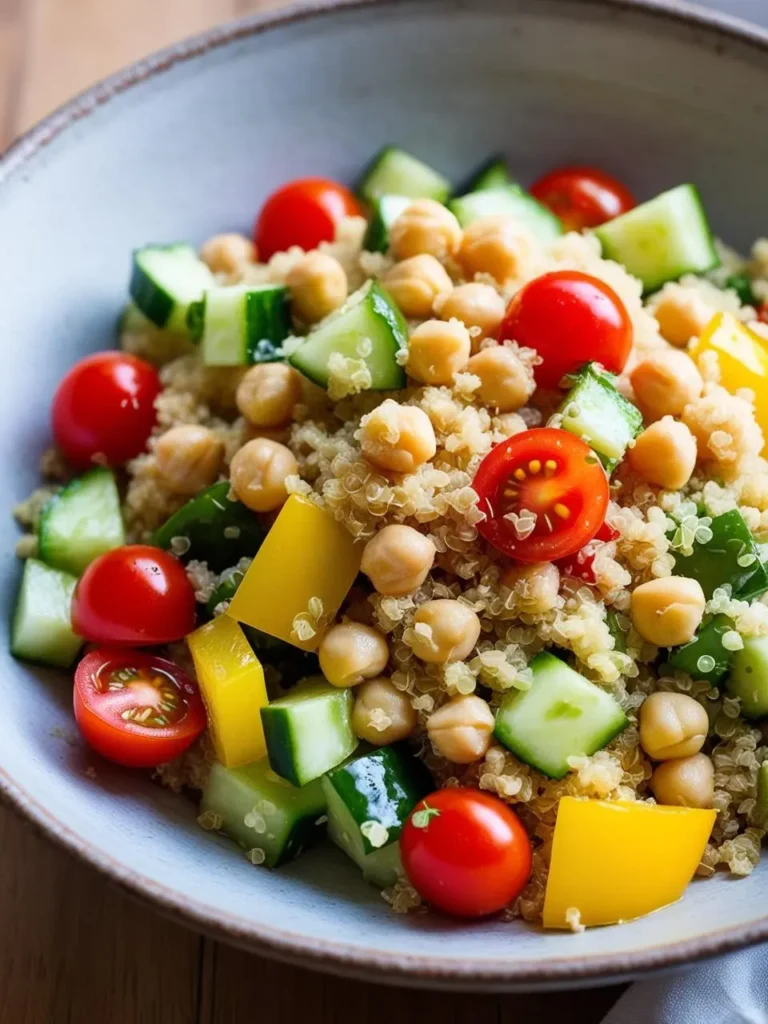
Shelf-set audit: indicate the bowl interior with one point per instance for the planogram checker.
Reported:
(192, 149)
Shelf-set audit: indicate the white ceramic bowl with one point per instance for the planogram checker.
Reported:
(187, 144)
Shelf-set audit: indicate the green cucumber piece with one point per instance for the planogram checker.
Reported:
(220, 530)
(511, 200)
(717, 562)
(760, 813)
(662, 239)
(395, 172)
(742, 285)
(165, 281)
(562, 715)
(377, 788)
(707, 645)
(749, 677)
(491, 174)
(262, 811)
(81, 522)
(384, 212)
(309, 731)
(595, 411)
(233, 323)
(368, 320)
(41, 629)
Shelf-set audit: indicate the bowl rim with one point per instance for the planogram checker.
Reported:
(356, 960)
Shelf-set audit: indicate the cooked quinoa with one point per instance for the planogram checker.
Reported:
(521, 613)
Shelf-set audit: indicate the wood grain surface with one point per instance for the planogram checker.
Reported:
(73, 950)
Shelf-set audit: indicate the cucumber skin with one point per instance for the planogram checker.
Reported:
(706, 641)
(64, 660)
(381, 785)
(272, 325)
(629, 413)
(156, 305)
(46, 549)
(493, 173)
(749, 677)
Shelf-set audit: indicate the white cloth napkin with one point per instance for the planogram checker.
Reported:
(732, 989)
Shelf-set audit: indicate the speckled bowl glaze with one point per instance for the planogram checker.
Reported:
(188, 143)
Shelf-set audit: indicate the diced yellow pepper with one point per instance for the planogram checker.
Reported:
(231, 681)
(742, 357)
(306, 556)
(613, 862)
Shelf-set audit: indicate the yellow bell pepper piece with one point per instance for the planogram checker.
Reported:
(306, 556)
(742, 357)
(231, 682)
(613, 862)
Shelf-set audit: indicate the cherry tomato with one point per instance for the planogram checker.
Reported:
(304, 212)
(570, 319)
(465, 852)
(582, 197)
(544, 494)
(581, 566)
(762, 312)
(104, 409)
(136, 709)
(134, 595)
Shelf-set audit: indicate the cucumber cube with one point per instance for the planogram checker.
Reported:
(309, 731)
(395, 172)
(704, 657)
(595, 411)
(730, 558)
(749, 677)
(562, 715)
(41, 629)
(510, 200)
(81, 522)
(385, 211)
(165, 281)
(492, 174)
(263, 812)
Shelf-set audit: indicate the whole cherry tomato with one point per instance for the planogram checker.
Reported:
(136, 709)
(544, 494)
(104, 409)
(582, 197)
(304, 212)
(134, 595)
(570, 319)
(465, 852)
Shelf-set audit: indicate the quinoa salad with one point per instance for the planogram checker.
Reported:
(430, 520)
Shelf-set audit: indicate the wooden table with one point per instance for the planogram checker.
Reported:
(72, 949)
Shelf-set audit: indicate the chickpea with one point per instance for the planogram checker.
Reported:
(351, 652)
(461, 730)
(267, 394)
(493, 245)
(476, 305)
(318, 285)
(425, 226)
(188, 458)
(672, 725)
(437, 350)
(258, 473)
(505, 383)
(681, 314)
(397, 560)
(685, 781)
(228, 254)
(664, 454)
(665, 383)
(668, 611)
(395, 437)
(416, 283)
(449, 631)
(382, 714)
(537, 586)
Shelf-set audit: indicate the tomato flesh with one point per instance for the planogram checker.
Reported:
(582, 197)
(570, 319)
(581, 566)
(135, 594)
(136, 709)
(104, 409)
(544, 494)
(304, 212)
(465, 852)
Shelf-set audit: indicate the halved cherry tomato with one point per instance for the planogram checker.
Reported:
(544, 494)
(465, 852)
(762, 312)
(570, 319)
(581, 565)
(136, 709)
(135, 594)
(582, 197)
(304, 212)
(104, 409)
